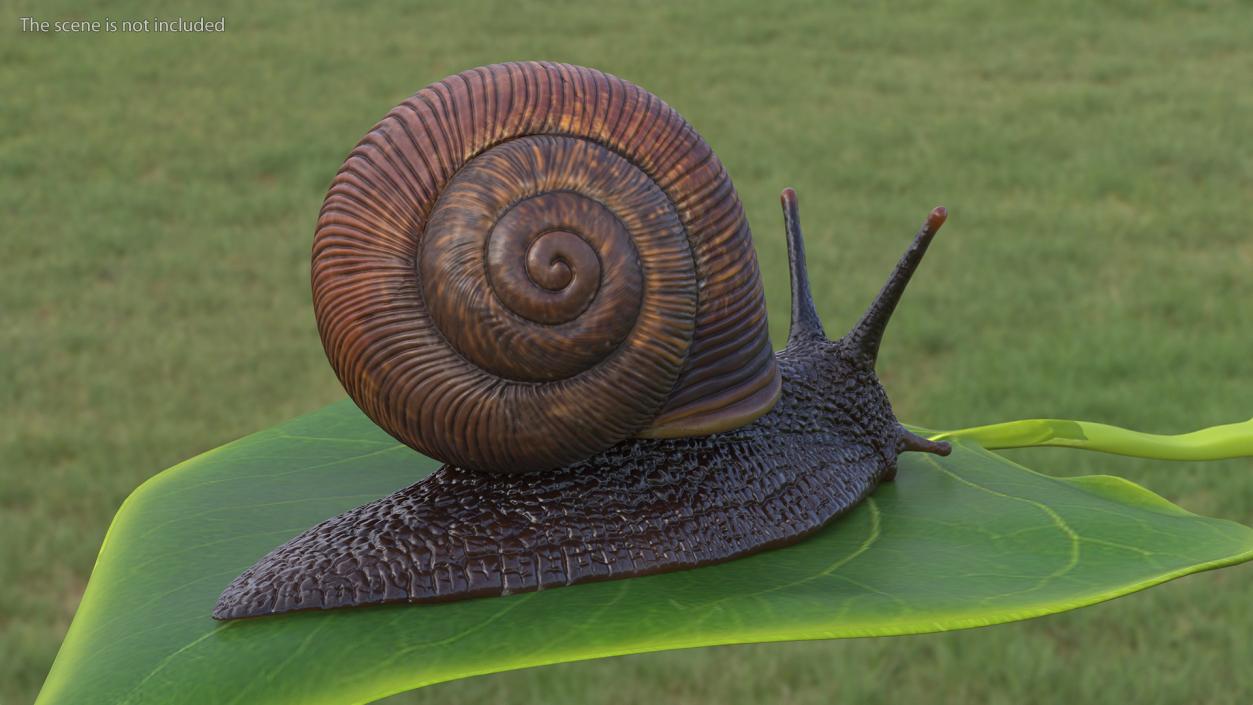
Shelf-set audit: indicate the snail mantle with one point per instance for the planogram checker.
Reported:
(541, 275)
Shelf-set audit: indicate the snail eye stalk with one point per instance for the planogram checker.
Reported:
(805, 320)
(865, 337)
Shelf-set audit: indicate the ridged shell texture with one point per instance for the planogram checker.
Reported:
(524, 264)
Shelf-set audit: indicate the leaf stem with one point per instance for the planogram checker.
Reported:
(1214, 443)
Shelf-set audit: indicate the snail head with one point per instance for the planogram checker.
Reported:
(853, 356)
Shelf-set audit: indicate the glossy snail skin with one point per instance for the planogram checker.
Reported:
(524, 264)
(643, 506)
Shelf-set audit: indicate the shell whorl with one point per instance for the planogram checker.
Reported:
(524, 264)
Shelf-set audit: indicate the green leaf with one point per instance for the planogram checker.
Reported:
(956, 542)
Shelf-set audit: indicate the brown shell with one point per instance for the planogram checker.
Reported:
(524, 264)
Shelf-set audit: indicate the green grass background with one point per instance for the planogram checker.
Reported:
(159, 193)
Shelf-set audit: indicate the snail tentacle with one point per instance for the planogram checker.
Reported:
(911, 441)
(805, 320)
(868, 333)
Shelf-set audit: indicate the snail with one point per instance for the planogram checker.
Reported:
(541, 275)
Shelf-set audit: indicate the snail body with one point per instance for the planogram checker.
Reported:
(541, 275)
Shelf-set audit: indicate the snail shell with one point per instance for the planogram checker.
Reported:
(524, 264)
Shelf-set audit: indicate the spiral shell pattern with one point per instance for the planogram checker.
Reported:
(524, 264)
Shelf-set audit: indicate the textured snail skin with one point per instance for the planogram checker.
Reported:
(641, 507)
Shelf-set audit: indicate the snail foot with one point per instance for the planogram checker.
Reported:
(459, 534)
(641, 507)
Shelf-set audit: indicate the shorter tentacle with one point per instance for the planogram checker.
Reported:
(911, 441)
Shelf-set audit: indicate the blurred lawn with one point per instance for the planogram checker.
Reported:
(159, 193)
